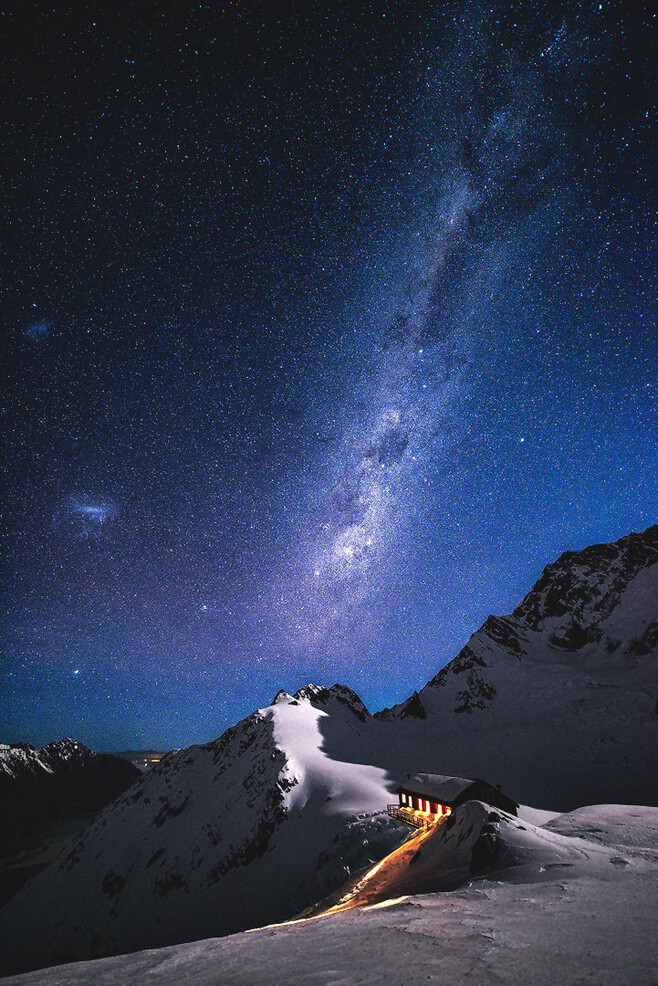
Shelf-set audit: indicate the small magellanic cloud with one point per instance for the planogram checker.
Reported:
(37, 330)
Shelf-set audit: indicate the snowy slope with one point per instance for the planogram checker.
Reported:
(245, 830)
(478, 841)
(558, 702)
(551, 904)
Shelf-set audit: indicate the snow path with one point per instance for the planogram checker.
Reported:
(357, 895)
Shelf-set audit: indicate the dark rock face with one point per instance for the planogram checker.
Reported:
(61, 780)
(478, 694)
(647, 642)
(584, 586)
(505, 632)
(414, 707)
(411, 708)
(466, 661)
(573, 637)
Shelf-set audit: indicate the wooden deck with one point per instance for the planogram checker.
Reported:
(417, 820)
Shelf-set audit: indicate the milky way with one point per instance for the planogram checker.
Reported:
(485, 186)
(326, 336)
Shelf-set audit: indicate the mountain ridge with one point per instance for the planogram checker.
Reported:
(554, 595)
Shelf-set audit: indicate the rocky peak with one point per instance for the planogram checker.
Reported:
(585, 586)
(65, 745)
(281, 696)
(322, 698)
(600, 603)
(25, 747)
(65, 750)
(412, 707)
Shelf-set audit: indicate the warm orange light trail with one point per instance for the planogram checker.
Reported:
(353, 898)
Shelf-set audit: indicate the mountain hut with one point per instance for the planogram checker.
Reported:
(424, 799)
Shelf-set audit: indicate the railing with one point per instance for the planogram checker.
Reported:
(410, 817)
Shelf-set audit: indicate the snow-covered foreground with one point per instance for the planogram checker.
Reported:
(574, 901)
(571, 932)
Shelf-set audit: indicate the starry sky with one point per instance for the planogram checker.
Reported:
(326, 331)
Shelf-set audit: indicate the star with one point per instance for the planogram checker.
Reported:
(286, 413)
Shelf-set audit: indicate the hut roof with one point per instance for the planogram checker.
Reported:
(438, 787)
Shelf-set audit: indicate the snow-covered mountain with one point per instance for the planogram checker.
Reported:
(557, 703)
(60, 780)
(245, 830)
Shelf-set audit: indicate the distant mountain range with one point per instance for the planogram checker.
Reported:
(557, 703)
(61, 780)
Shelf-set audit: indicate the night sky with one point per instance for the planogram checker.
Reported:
(325, 333)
